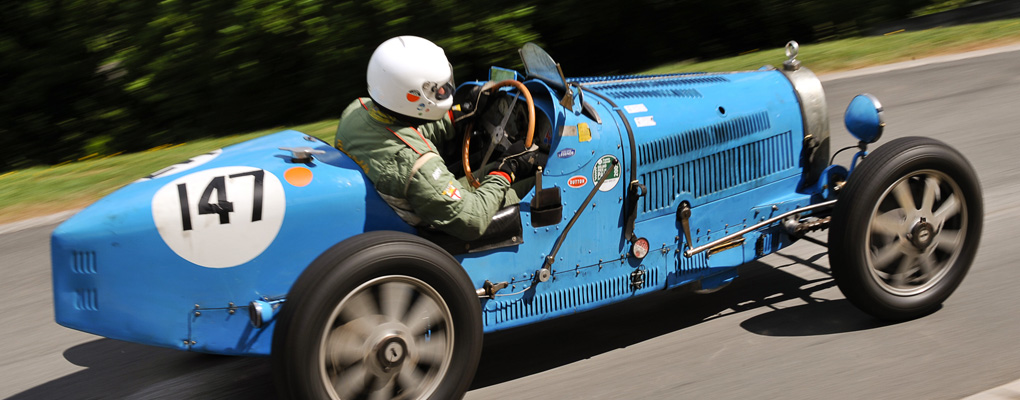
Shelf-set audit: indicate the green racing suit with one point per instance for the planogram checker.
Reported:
(404, 164)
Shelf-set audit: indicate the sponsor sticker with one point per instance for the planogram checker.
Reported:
(635, 108)
(413, 95)
(583, 132)
(644, 121)
(452, 191)
(566, 153)
(601, 167)
(577, 181)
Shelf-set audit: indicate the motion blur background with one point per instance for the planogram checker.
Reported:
(87, 77)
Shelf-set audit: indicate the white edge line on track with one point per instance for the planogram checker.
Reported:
(918, 63)
(1009, 391)
(36, 222)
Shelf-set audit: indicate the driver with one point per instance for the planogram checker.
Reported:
(397, 133)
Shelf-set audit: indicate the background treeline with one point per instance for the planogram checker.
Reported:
(83, 77)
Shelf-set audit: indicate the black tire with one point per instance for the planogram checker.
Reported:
(426, 316)
(906, 228)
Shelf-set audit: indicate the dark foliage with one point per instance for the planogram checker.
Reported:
(85, 76)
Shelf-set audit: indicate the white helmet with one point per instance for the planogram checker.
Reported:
(411, 76)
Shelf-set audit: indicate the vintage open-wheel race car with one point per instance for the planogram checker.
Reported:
(281, 247)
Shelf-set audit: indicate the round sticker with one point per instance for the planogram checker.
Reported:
(413, 95)
(600, 168)
(220, 217)
(184, 166)
(298, 176)
(577, 181)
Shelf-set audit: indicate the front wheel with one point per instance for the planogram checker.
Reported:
(906, 228)
(383, 315)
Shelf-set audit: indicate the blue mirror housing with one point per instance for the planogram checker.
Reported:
(863, 118)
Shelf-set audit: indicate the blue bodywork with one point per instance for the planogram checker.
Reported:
(135, 267)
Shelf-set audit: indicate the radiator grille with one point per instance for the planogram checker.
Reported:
(657, 87)
(695, 263)
(643, 94)
(696, 139)
(86, 300)
(649, 81)
(565, 299)
(718, 171)
(83, 262)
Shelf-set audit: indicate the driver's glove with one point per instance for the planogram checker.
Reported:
(518, 162)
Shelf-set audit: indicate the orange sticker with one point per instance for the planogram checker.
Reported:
(413, 96)
(298, 176)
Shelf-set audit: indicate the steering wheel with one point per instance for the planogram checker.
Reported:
(528, 138)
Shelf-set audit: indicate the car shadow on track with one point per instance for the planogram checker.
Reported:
(560, 342)
(121, 370)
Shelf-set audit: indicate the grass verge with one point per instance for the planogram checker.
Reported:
(855, 53)
(41, 191)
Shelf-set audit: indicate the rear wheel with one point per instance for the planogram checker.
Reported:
(382, 315)
(906, 228)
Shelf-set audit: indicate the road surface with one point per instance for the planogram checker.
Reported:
(782, 330)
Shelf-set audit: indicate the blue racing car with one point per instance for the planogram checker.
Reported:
(281, 247)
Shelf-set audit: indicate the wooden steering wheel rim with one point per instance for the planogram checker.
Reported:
(528, 138)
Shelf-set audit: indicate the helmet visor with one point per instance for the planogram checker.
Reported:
(438, 91)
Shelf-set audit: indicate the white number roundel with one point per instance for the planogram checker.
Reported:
(220, 217)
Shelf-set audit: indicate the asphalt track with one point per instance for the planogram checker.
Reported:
(782, 330)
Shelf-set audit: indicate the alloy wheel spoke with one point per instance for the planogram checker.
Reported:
(423, 313)
(346, 346)
(889, 224)
(433, 350)
(383, 393)
(906, 200)
(360, 305)
(948, 209)
(948, 240)
(924, 262)
(931, 191)
(410, 379)
(394, 298)
(359, 328)
(351, 382)
(886, 255)
(903, 271)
